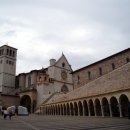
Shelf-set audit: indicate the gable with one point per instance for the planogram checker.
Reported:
(63, 63)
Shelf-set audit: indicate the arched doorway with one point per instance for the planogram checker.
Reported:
(71, 109)
(80, 108)
(105, 107)
(98, 107)
(114, 107)
(76, 109)
(26, 102)
(85, 105)
(124, 105)
(91, 107)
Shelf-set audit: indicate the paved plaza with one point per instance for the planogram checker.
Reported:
(39, 122)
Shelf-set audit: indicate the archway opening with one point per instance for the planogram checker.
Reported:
(80, 108)
(114, 107)
(105, 107)
(91, 107)
(61, 109)
(124, 105)
(64, 109)
(68, 109)
(71, 109)
(85, 105)
(76, 109)
(26, 102)
(98, 107)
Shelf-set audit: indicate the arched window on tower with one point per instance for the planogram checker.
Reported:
(64, 89)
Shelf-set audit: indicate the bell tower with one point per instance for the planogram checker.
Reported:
(7, 68)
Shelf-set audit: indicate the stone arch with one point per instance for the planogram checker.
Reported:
(26, 102)
(68, 109)
(105, 106)
(124, 101)
(80, 107)
(61, 107)
(98, 107)
(75, 108)
(91, 107)
(71, 109)
(64, 108)
(114, 107)
(85, 105)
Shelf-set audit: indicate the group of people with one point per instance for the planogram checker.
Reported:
(7, 113)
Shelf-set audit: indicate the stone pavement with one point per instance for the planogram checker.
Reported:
(40, 122)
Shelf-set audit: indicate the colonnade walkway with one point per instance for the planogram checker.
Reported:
(40, 122)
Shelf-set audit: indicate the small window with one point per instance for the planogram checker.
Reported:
(6, 61)
(10, 52)
(100, 71)
(9, 62)
(63, 64)
(89, 75)
(127, 60)
(113, 66)
(0, 52)
(78, 79)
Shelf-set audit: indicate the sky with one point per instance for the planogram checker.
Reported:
(86, 31)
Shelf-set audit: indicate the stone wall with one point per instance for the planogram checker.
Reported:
(80, 77)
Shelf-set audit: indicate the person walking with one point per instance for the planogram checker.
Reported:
(5, 113)
(10, 114)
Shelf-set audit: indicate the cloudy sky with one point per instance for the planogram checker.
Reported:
(84, 30)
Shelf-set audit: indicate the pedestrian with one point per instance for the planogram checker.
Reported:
(10, 114)
(5, 113)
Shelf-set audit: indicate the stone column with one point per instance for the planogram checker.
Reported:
(83, 111)
(110, 110)
(120, 110)
(89, 114)
(95, 110)
(102, 110)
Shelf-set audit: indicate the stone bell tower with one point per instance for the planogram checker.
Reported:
(7, 69)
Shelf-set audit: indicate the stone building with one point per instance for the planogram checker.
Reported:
(100, 89)
(38, 86)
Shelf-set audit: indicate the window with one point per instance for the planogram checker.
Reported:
(100, 71)
(78, 79)
(89, 75)
(6, 61)
(127, 60)
(113, 66)
(10, 52)
(63, 64)
(0, 52)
